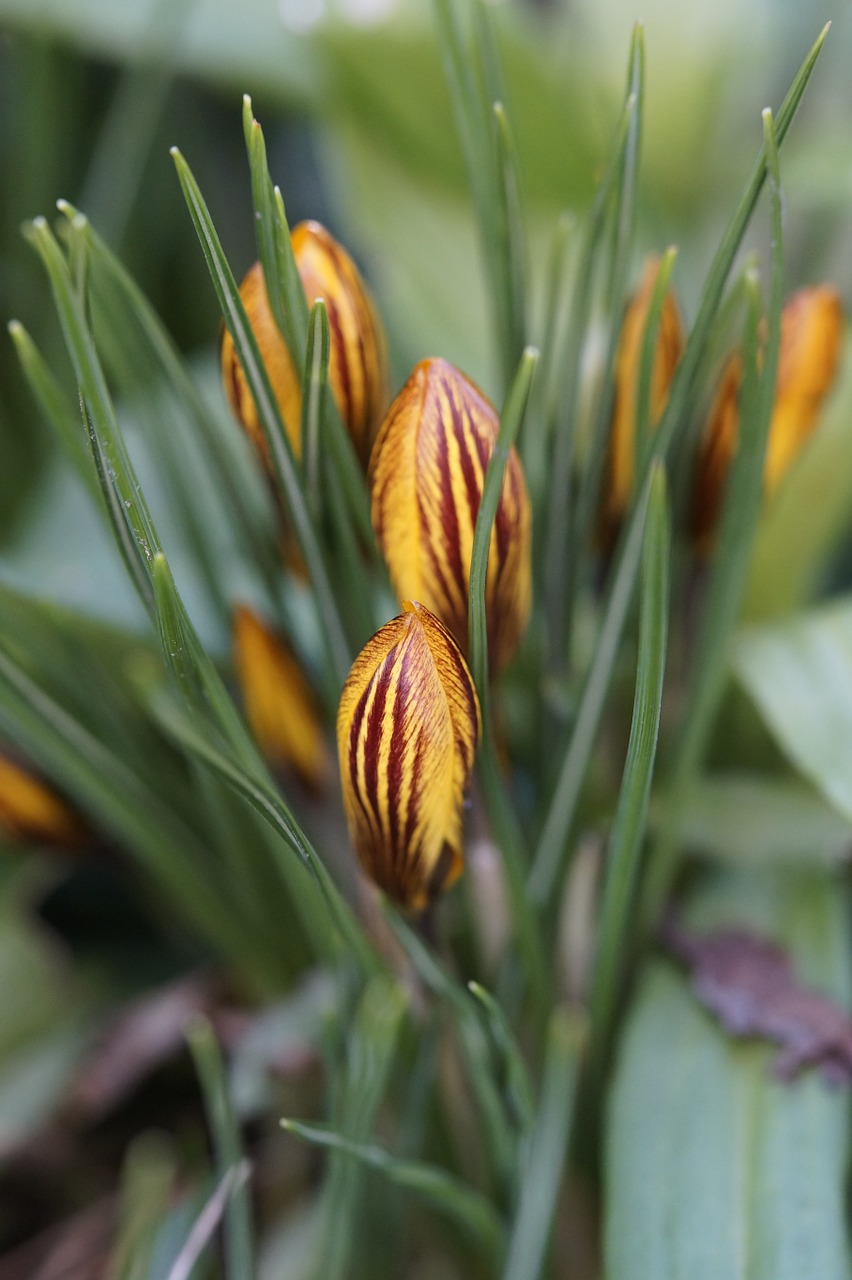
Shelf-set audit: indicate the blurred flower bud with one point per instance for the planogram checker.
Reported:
(621, 453)
(811, 336)
(407, 732)
(31, 812)
(357, 362)
(277, 701)
(426, 478)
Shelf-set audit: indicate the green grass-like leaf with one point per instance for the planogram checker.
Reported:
(548, 1149)
(227, 1144)
(738, 525)
(336, 646)
(629, 825)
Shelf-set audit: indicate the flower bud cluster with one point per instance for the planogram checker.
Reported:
(409, 722)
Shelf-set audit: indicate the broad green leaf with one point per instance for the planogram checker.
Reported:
(799, 673)
(713, 1168)
(754, 820)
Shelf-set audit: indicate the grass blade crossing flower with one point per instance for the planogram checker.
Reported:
(811, 338)
(668, 348)
(407, 732)
(358, 365)
(427, 475)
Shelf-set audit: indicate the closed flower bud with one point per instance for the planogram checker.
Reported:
(357, 362)
(426, 478)
(811, 334)
(621, 453)
(407, 732)
(277, 701)
(32, 813)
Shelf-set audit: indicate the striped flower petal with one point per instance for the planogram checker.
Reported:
(357, 360)
(407, 730)
(426, 478)
(811, 336)
(277, 700)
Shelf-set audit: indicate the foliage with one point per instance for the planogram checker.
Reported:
(455, 1086)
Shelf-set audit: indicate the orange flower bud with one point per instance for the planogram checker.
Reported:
(407, 732)
(811, 335)
(277, 700)
(426, 478)
(357, 361)
(621, 454)
(31, 812)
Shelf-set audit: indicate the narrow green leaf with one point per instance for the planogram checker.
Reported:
(207, 1221)
(55, 405)
(446, 1193)
(290, 308)
(314, 392)
(269, 804)
(371, 1049)
(505, 826)
(648, 352)
(286, 472)
(623, 228)
(551, 854)
(284, 289)
(530, 1231)
(560, 812)
(497, 1125)
(556, 568)
(628, 829)
(118, 799)
(147, 1187)
(471, 67)
(110, 278)
(518, 1088)
(227, 1145)
(740, 511)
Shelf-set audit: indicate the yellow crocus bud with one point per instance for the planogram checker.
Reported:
(33, 813)
(621, 452)
(277, 700)
(357, 360)
(407, 732)
(811, 336)
(426, 479)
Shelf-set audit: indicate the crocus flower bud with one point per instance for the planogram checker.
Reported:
(357, 361)
(426, 478)
(277, 700)
(33, 813)
(407, 732)
(621, 453)
(811, 335)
